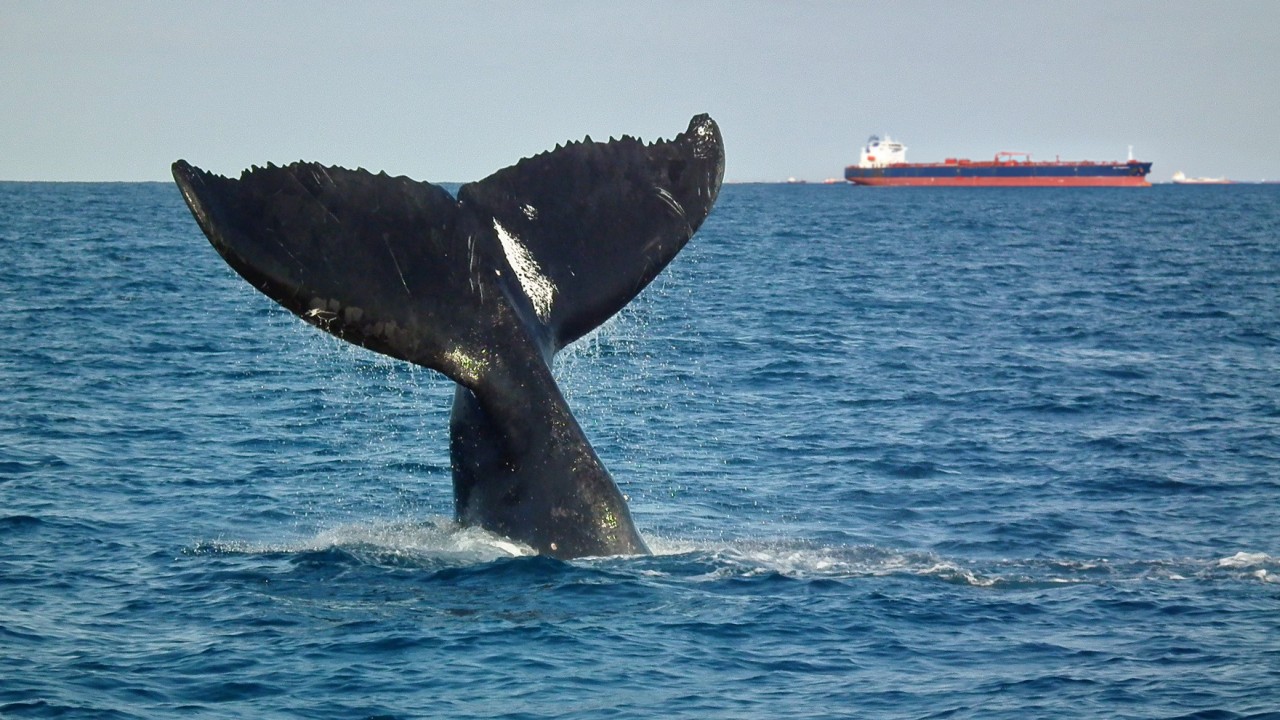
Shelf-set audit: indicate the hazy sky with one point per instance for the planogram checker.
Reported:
(450, 91)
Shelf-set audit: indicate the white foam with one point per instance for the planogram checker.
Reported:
(442, 540)
(803, 561)
(435, 539)
(1243, 560)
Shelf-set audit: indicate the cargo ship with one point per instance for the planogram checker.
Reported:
(1180, 178)
(884, 162)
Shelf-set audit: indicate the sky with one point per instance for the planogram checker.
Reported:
(451, 91)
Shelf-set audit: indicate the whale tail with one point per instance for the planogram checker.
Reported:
(485, 288)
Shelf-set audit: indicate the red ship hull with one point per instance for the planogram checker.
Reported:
(1001, 172)
(1125, 181)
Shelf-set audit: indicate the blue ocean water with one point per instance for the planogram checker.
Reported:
(900, 453)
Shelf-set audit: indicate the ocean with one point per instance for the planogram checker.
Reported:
(900, 453)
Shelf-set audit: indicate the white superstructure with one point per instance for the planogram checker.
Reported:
(1180, 178)
(879, 153)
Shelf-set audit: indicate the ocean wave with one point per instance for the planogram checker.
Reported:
(440, 544)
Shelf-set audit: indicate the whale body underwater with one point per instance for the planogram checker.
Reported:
(485, 288)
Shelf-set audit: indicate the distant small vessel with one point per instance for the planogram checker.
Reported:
(884, 162)
(1180, 178)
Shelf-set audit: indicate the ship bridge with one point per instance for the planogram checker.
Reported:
(879, 153)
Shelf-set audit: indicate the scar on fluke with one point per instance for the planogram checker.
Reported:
(485, 287)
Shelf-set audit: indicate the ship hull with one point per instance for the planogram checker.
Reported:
(1131, 174)
(1005, 181)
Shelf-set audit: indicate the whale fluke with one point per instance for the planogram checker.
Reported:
(485, 288)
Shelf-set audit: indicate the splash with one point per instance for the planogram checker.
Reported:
(428, 542)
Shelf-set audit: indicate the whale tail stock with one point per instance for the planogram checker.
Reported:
(484, 288)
